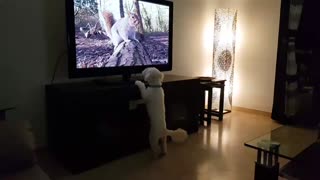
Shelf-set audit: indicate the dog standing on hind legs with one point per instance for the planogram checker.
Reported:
(153, 97)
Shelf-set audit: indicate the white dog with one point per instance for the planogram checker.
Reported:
(153, 97)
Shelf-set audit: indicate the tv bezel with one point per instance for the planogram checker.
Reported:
(75, 72)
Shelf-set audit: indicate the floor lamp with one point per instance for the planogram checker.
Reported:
(224, 53)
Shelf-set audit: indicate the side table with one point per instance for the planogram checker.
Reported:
(207, 85)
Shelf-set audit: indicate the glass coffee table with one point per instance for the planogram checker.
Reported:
(286, 142)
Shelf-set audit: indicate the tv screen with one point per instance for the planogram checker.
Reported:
(118, 36)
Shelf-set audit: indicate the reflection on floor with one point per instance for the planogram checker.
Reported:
(215, 152)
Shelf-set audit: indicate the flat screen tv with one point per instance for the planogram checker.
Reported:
(108, 37)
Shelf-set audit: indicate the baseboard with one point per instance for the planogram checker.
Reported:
(236, 108)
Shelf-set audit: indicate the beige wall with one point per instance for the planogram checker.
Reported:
(34, 36)
(24, 61)
(256, 47)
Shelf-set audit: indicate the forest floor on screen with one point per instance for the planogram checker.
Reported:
(95, 51)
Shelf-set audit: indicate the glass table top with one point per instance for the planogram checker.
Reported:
(291, 140)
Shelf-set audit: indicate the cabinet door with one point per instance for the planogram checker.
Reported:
(182, 100)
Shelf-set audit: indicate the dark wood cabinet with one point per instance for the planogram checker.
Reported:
(297, 74)
(89, 124)
(183, 102)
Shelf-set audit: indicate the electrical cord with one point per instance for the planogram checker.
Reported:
(65, 52)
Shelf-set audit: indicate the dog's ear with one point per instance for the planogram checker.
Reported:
(162, 76)
(145, 71)
(153, 75)
(145, 74)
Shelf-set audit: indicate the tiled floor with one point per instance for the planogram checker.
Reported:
(216, 152)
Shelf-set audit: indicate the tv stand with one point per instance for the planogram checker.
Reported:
(126, 77)
(112, 81)
(90, 124)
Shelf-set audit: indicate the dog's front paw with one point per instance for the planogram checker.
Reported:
(138, 83)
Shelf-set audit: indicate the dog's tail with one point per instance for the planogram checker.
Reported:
(178, 135)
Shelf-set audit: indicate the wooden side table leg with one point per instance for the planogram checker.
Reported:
(221, 106)
(203, 105)
(209, 106)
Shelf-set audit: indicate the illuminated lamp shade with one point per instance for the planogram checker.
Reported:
(224, 53)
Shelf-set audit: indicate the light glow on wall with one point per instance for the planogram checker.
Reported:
(207, 39)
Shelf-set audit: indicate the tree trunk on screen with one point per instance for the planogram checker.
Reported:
(121, 8)
(129, 54)
(137, 11)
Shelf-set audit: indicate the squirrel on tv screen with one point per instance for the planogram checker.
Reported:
(114, 33)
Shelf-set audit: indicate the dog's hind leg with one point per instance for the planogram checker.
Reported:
(163, 144)
(154, 144)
